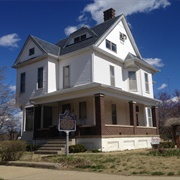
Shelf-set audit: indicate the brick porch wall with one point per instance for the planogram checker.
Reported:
(102, 129)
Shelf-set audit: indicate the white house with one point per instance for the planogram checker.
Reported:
(99, 75)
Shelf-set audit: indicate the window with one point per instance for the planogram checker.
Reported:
(122, 37)
(108, 44)
(112, 78)
(40, 78)
(31, 51)
(79, 38)
(146, 82)
(66, 77)
(29, 119)
(111, 46)
(83, 37)
(132, 81)
(22, 82)
(114, 116)
(82, 110)
(149, 117)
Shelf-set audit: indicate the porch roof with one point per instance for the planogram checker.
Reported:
(89, 90)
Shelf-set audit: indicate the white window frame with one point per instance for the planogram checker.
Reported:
(31, 51)
(23, 82)
(132, 80)
(40, 78)
(146, 78)
(66, 77)
(112, 46)
(112, 75)
(149, 120)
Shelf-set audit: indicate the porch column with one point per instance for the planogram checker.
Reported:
(132, 114)
(155, 118)
(99, 113)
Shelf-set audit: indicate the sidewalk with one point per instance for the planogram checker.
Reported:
(28, 173)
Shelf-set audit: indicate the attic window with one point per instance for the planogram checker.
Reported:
(111, 46)
(123, 37)
(31, 51)
(79, 38)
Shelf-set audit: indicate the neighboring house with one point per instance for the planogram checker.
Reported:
(96, 73)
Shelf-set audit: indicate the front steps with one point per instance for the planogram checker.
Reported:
(53, 146)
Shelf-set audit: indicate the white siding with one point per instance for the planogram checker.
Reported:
(25, 54)
(52, 75)
(80, 69)
(31, 81)
(101, 69)
(122, 112)
(151, 93)
(123, 48)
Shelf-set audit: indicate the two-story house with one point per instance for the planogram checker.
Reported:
(96, 73)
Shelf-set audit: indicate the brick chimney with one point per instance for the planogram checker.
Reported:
(109, 14)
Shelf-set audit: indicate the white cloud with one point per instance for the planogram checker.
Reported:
(126, 7)
(9, 40)
(162, 86)
(70, 29)
(12, 88)
(156, 62)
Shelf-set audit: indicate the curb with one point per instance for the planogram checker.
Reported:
(32, 164)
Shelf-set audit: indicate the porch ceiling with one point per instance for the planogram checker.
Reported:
(89, 90)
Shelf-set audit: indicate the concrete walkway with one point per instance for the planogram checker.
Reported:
(28, 173)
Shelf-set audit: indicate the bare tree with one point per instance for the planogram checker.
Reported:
(169, 112)
(7, 102)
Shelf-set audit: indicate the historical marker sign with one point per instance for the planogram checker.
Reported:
(67, 123)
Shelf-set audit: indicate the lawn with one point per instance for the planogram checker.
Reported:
(125, 163)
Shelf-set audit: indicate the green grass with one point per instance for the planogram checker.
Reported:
(157, 173)
(124, 163)
(170, 173)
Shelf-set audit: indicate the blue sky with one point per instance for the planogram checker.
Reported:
(154, 24)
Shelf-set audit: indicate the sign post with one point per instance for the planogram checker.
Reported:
(67, 123)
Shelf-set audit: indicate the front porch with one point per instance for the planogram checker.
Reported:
(96, 115)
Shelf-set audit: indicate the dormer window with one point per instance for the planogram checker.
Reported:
(31, 51)
(79, 38)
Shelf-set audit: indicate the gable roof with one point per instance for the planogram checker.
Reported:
(132, 59)
(44, 46)
(97, 32)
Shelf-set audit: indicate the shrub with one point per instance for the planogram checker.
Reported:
(167, 145)
(165, 152)
(77, 148)
(95, 150)
(157, 173)
(31, 147)
(11, 150)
